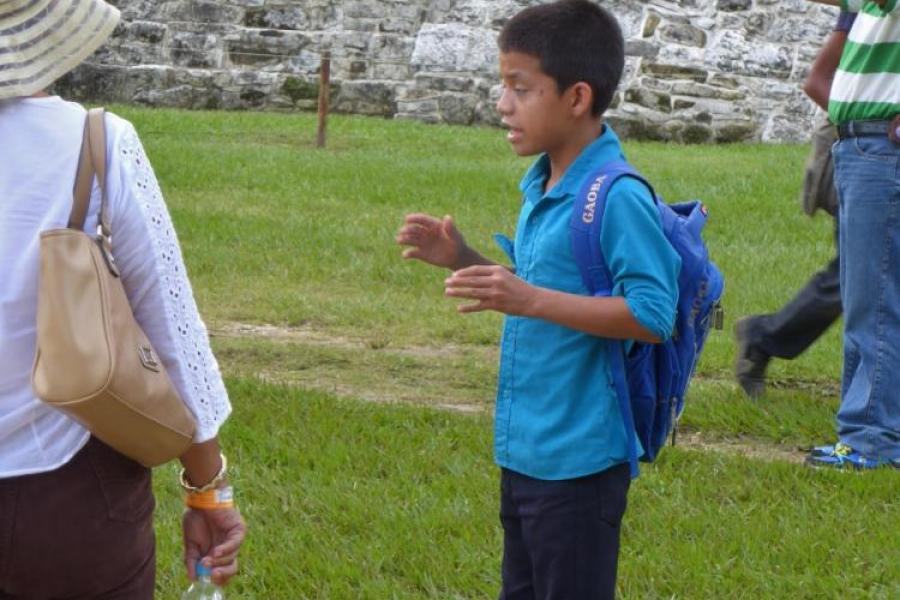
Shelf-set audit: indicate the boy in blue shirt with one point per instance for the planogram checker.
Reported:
(559, 435)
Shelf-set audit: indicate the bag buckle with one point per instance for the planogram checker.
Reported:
(148, 359)
(104, 243)
(718, 316)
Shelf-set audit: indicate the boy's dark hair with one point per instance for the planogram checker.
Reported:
(575, 40)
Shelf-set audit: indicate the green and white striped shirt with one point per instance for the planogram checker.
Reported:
(867, 83)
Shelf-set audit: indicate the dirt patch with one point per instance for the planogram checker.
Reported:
(383, 395)
(694, 440)
(317, 337)
(310, 335)
(754, 449)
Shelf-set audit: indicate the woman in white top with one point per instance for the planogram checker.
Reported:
(75, 515)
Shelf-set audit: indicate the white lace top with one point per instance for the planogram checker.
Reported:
(40, 139)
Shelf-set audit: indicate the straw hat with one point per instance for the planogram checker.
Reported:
(41, 40)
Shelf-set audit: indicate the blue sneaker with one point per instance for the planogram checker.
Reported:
(842, 456)
(822, 450)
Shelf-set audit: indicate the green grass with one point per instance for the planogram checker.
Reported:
(276, 231)
(350, 498)
(356, 500)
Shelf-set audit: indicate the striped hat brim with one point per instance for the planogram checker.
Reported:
(42, 40)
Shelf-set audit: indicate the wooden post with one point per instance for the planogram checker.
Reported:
(324, 95)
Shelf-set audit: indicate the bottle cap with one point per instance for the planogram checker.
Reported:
(202, 571)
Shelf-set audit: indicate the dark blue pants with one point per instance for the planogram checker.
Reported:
(561, 538)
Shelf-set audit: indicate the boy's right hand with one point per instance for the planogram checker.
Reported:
(435, 241)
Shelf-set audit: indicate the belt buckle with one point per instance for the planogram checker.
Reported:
(894, 131)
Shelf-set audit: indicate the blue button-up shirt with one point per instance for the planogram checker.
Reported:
(557, 416)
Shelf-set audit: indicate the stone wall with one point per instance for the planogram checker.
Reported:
(697, 70)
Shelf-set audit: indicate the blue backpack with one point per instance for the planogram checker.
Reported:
(652, 379)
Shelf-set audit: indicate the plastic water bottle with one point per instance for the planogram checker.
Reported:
(203, 588)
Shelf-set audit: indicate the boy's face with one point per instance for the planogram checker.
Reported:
(531, 106)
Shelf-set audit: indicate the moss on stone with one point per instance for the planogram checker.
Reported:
(297, 89)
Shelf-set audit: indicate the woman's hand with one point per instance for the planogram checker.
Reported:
(213, 536)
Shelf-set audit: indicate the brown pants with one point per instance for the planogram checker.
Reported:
(84, 530)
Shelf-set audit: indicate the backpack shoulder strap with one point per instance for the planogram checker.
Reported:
(585, 226)
(586, 222)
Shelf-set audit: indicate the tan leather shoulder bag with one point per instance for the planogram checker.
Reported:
(93, 361)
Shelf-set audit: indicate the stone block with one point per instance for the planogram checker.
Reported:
(285, 17)
(396, 72)
(91, 82)
(734, 53)
(683, 33)
(637, 127)
(649, 99)
(444, 83)
(790, 28)
(366, 97)
(449, 48)
(456, 108)
(297, 89)
(145, 31)
(391, 47)
(733, 5)
(420, 109)
(702, 90)
(483, 13)
(195, 50)
(486, 113)
(140, 10)
(202, 11)
(787, 128)
(735, 131)
(758, 24)
(259, 47)
(650, 23)
(642, 48)
(696, 133)
(674, 71)
(718, 108)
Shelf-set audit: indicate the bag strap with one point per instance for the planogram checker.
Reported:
(81, 192)
(91, 162)
(586, 222)
(585, 226)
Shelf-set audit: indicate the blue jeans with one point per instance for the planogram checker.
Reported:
(867, 176)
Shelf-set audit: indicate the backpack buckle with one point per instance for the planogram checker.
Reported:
(718, 316)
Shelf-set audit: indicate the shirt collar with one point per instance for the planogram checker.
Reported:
(605, 148)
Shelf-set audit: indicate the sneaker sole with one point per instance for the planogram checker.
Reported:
(846, 467)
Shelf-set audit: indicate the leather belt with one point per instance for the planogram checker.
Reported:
(868, 129)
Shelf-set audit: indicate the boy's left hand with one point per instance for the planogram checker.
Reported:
(493, 287)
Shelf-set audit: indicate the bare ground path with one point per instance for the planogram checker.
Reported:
(434, 376)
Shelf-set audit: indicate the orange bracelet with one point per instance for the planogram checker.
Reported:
(211, 499)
